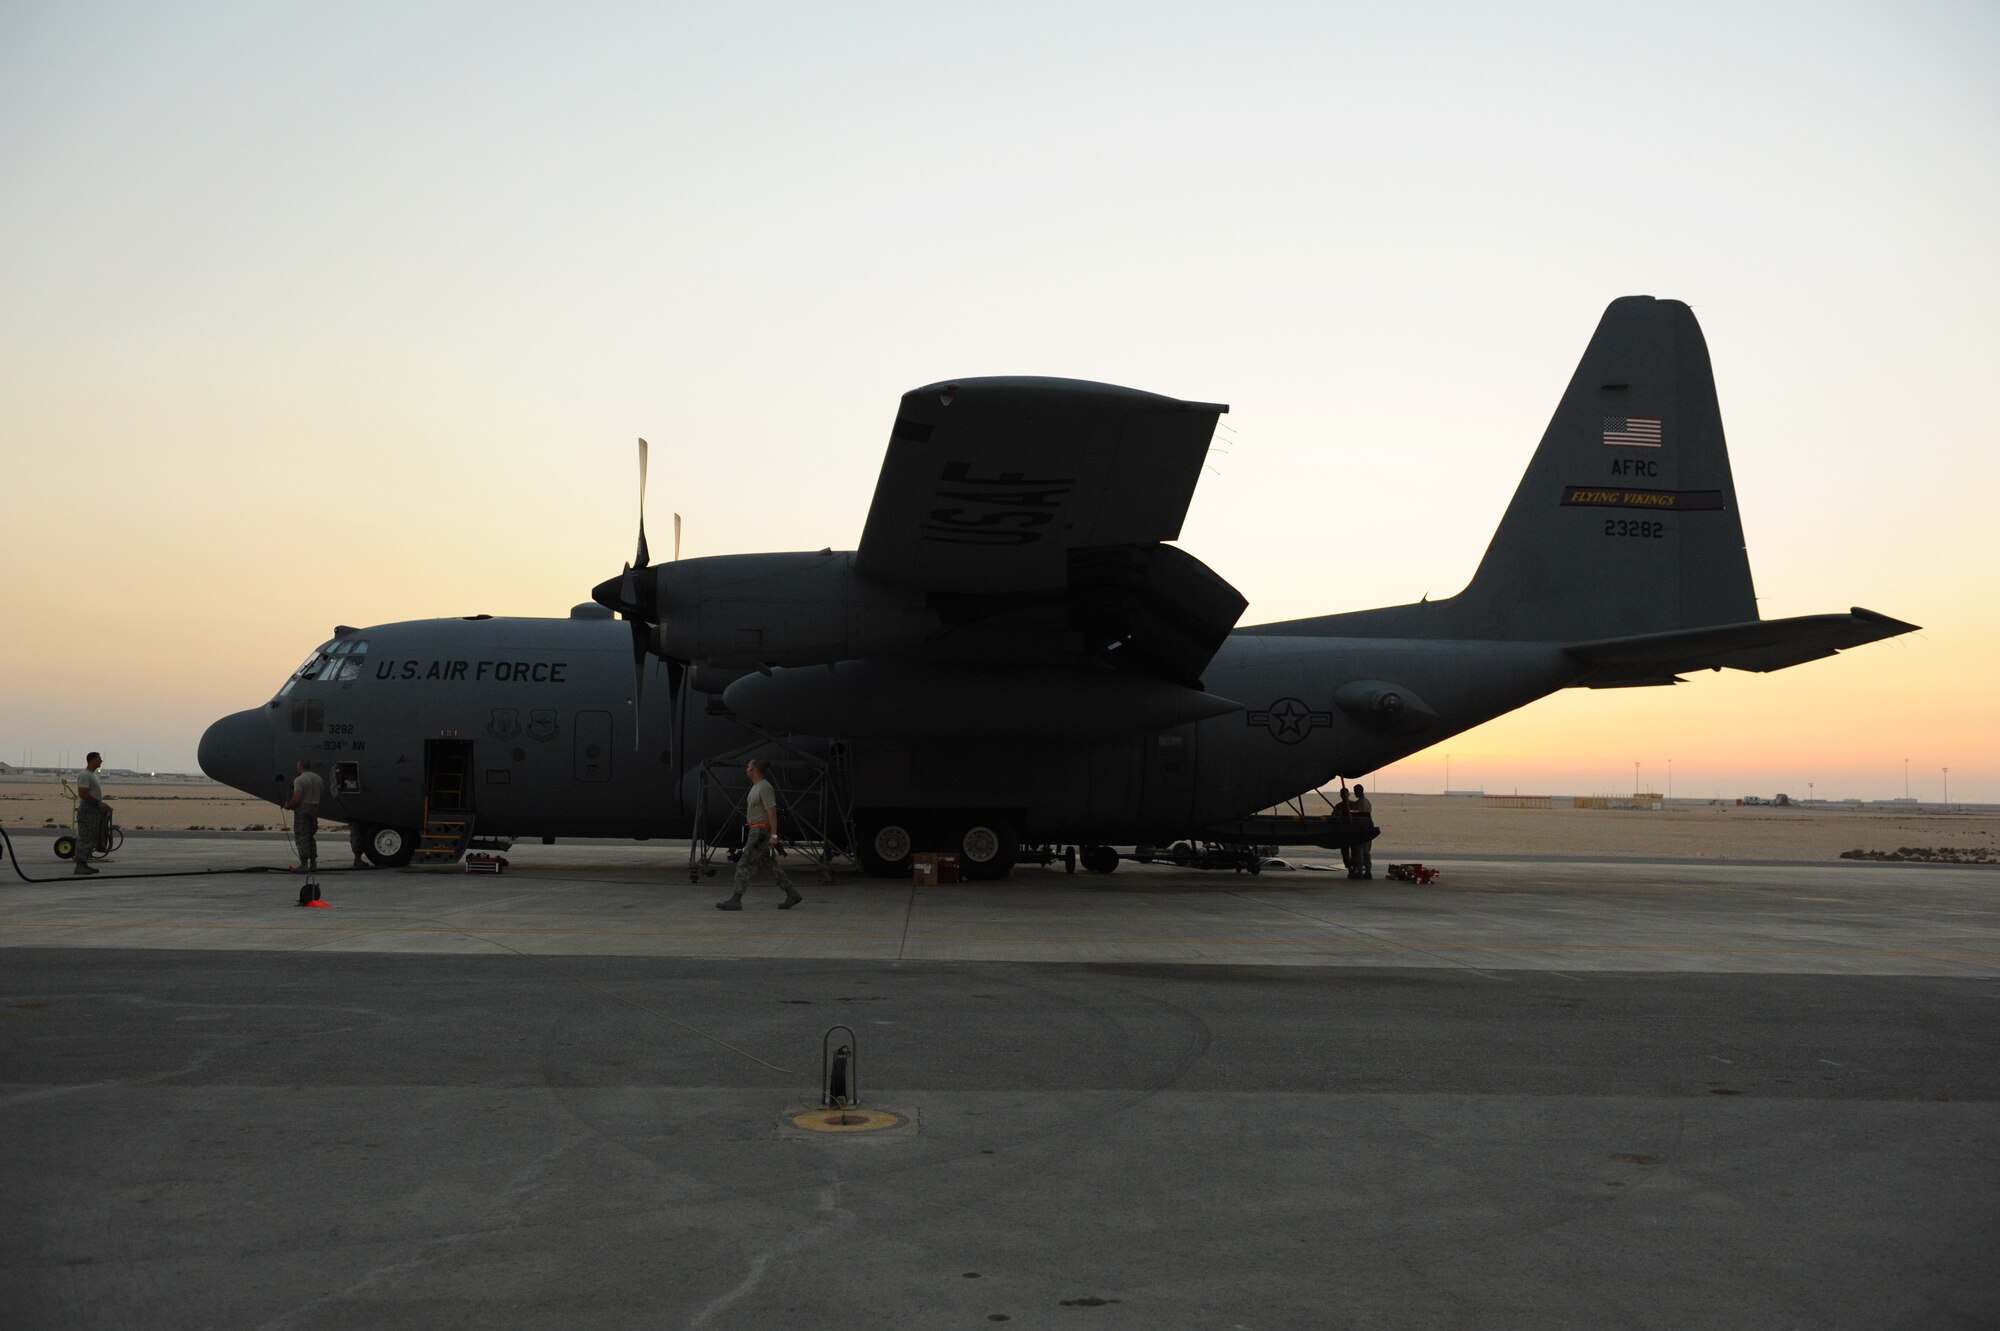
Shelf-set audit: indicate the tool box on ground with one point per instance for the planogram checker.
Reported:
(1413, 873)
(928, 869)
(485, 863)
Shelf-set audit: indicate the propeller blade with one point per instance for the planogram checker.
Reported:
(644, 558)
(677, 536)
(677, 673)
(639, 635)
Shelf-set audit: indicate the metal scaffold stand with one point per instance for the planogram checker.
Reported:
(815, 805)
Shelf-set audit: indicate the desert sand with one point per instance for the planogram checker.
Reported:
(1435, 824)
(1412, 825)
(161, 803)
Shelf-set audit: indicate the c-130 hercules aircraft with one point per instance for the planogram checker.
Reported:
(1013, 656)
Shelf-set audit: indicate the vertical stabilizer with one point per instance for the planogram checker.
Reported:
(1626, 522)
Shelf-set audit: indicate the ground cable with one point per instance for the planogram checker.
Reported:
(15, 856)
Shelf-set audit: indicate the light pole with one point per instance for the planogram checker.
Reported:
(1809, 792)
(1635, 781)
(1947, 787)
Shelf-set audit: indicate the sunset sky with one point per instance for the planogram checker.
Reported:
(352, 313)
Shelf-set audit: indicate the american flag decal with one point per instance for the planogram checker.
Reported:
(1632, 431)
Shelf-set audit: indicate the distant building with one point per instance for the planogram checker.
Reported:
(1519, 802)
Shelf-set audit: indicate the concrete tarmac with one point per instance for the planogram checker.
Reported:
(1531, 1094)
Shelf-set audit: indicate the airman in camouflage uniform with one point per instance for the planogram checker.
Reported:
(307, 789)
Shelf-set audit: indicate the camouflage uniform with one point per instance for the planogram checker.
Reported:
(760, 813)
(308, 787)
(89, 832)
(1360, 809)
(305, 831)
(90, 821)
(757, 854)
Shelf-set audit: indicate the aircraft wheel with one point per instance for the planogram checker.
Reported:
(1099, 859)
(65, 847)
(389, 847)
(887, 842)
(1181, 853)
(1069, 859)
(987, 847)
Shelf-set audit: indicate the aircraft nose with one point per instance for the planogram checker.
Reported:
(237, 751)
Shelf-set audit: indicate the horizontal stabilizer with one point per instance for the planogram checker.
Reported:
(1760, 645)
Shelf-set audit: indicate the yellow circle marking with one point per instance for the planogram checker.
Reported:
(846, 1120)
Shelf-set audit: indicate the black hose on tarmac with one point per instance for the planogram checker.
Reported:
(14, 855)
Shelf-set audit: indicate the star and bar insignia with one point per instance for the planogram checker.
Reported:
(1289, 720)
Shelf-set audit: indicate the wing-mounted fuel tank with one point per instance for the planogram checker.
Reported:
(890, 700)
(737, 612)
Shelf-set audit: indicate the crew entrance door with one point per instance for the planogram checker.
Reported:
(448, 801)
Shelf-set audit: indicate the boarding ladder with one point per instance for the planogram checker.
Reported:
(447, 820)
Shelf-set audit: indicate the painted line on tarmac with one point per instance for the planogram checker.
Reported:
(322, 927)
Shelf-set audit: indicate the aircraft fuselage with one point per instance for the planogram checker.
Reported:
(542, 712)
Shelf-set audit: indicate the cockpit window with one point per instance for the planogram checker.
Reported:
(314, 663)
(353, 660)
(311, 669)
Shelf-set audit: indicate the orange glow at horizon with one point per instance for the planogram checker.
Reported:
(306, 326)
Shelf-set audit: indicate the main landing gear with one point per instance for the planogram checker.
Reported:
(986, 841)
(885, 844)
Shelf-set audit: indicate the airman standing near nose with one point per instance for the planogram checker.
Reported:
(307, 791)
(345, 782)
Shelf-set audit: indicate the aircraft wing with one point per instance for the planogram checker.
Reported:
(1760, 645)
(990, 484)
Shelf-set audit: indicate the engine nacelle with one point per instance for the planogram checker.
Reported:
(746, 611)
